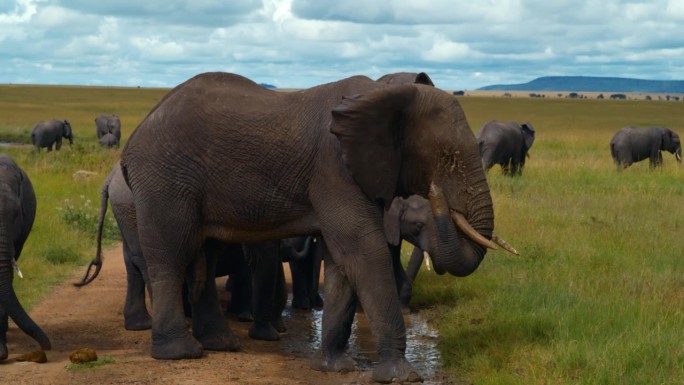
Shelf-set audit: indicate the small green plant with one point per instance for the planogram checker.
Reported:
(62, 256)
(84, 217)
(89, 365)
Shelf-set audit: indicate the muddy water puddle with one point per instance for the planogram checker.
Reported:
(304, 333)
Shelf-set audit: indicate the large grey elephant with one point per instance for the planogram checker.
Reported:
(241, 163)
(505, 143)
(108, 124)
(49, 132)
(633, 144)
(17, 212)
(406, 78)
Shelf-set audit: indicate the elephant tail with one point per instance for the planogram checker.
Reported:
(97, 261)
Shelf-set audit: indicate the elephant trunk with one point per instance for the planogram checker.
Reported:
(463, 233)
(10, 302)
(302, 252)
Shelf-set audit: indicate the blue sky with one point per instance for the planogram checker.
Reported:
(461, 44)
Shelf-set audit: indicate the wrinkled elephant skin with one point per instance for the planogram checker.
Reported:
(241, 163)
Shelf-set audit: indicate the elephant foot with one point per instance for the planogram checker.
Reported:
(177, 348)
(317, 302)
(225, 342)
(263, 332)
(340, 363)
(396, 370)
(279, 325)
(138, 323)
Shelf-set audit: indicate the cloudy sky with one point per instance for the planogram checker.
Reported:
(461, 44)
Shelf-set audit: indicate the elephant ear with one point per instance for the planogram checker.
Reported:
(392, 222)
(423, 78)
(370, 130)
(528, 134)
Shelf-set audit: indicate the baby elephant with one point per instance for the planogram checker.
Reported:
(633, 144)
(505, 143)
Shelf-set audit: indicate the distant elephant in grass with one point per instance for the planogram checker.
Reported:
(17, 212)
(406, 78)
(340, 153)
(49, 132)
(108, 124)
(505, 143)
(634, 144)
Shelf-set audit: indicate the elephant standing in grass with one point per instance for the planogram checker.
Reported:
(17, 212)
(49, 132)
(634, 144)
(108, 125)
(240, 163)
(505, 143)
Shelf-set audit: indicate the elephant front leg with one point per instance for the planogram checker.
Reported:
(338, 315)
(267, 281)
(369, 278)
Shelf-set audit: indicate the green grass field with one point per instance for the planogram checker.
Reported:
(596, 296)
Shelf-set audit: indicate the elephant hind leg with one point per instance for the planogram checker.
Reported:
(208, 325)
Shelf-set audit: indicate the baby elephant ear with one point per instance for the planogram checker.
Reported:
(370, 130)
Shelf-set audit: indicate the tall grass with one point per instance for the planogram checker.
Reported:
(597, 295)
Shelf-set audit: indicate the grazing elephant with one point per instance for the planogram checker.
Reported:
(505, 143)
(17, 212)
(633, 144)
(49, 132)
(241, 163)
(109, 140)
(406, 78)
(108, 124)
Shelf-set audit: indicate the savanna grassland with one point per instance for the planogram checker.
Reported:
(596, 296)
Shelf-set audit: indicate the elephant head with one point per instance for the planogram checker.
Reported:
(17, 212)
(672, 144)
(420, 143)
(67, 133)
(528, 138)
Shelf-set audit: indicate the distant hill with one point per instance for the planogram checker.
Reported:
(593, 84)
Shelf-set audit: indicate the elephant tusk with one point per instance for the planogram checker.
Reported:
(16, 268)
(468, 230)
(426, 258)
(505, 245)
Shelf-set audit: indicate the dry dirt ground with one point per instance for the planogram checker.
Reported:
(91, 317)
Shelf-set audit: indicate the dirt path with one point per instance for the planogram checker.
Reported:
(92, 317)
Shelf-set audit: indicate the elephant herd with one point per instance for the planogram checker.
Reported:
(225, 177)
(48, 133)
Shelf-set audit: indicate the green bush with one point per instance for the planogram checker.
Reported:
(82, 216)
(62, 256)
